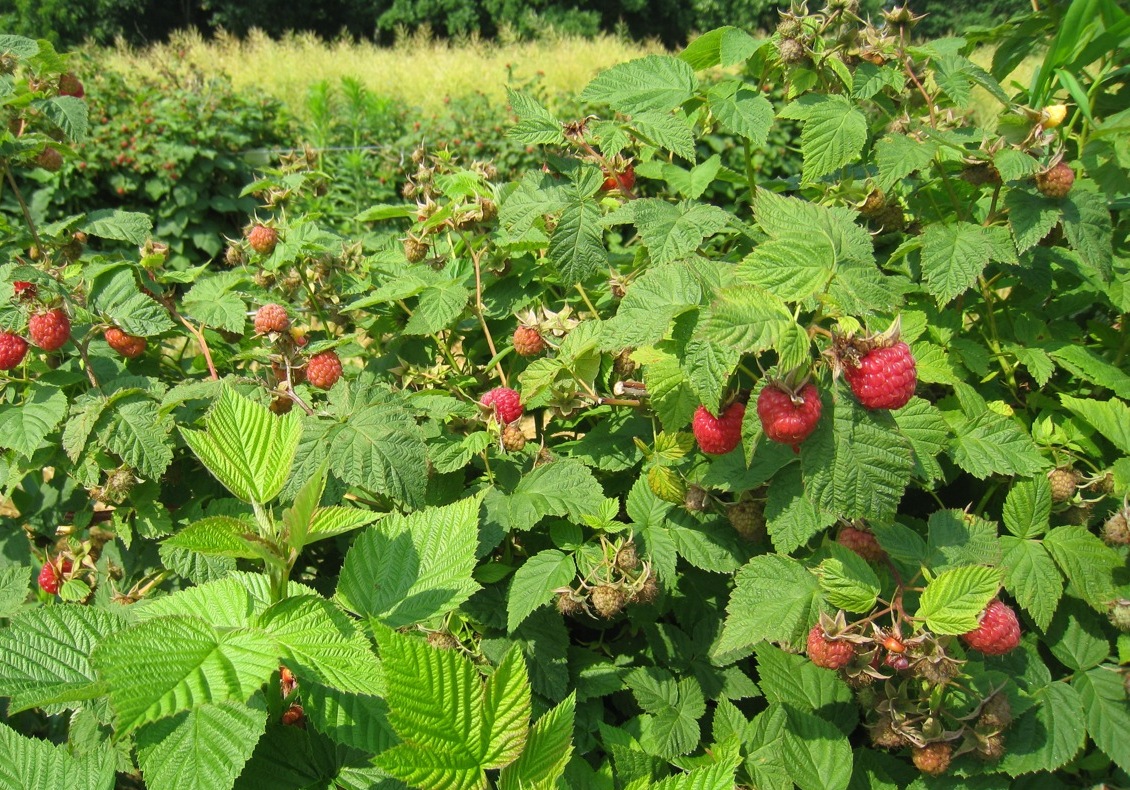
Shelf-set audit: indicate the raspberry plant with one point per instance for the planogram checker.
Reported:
(309, 514)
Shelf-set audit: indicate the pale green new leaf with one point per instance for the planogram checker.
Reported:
(723, 46)
(408, 569)
(534, 583)
(536, 125)
(201, 749)
(45, 654)
(232, 602)
(775, 598)
(170, 664)
(834, 132)
(337, 520)
(37, 764)
(507, 708)
(848, 581)
(548, 749)
(321, 641)
(1032, 578)
(1111, 418)
(221, 536)
(718, 776)
(655, 82)
(296, 518)
(354, 720)
(247, 448)
(953, 602)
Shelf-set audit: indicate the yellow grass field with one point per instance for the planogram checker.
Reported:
(419, 70)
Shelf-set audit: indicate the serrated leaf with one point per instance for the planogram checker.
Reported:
(1110, 418)
(114, 292)
(927, 432)
(1087, 562)
(1087, 225)
(953, 256)
(742, 110)
(202, 749)
(666, 131)
(655, 82)
(534, 583)
(953, 602)
(1032, 578)
(898, 156)
(139, 434)
(716, 776)
(848, 582)
(217, 535)
(25, 426)
(170, 664)
(818, 756)
(548, 749)
(563, 488)
(1030, 217)
(229, 603)
(1104, 699)
(36, 763)
(69, 113)
(354, 720)
(1048, 735)
(795, 681)
(1075, 636)
(407, 569)
(834, 132)
(246, 447)
(745, 318)
(775, 598)
(1028, 507)
(45, 654)
(438, 307)
(321, 641)
(380, 448)
(507, 706)
(672, 232)
(536, 126)
(988, 443)
(576, 248)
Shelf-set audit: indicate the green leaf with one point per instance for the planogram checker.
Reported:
(13, 589)
(129, 226)
(834, 132)
(536, 125)
(1103, 694)
(1075, 636)
(337, 520)
(791, 515)
(665, 131)
(229, 603)
(954, 255)
(139, 433)
(988, 443)
(655, 82)
(35, 763)
(220, 536)
(534, 584)
(745, 318)
(1031, 217)
(1048, 735)
(321, 641)
(351, 719)
(674, 706)
(438, 307)
(672, 232)
(576, 249)
(381, 449)
(114, 292)
(925, 429)
(24, 426)
(1087, 225)
(408, 569)
(1032, 578)
(1028, 507)
(171, 664)
(653, 301)
(246, 447)
(959, 538)
(1087, 562)
(716, 776)
(817, 755)
(563, 488)
(723, 46)
(211, 302)
(45, 654)
(548, 749)
(898, 156)
(507, 705)
(1110, 418)
(795, 681)
(201, 749)
(775, 598)
(742, 110)
(953, 602)
(848, 582)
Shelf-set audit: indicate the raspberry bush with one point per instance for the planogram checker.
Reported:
(707, 477)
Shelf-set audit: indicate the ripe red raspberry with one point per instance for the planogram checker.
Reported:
(126, 345)
(718, 435)
(504, 402)
(998, 631)
(70, 85)
(826, 652)
(263, 239)
(323, 370)
(933, 758)
(49, 330)
(625, 181)
(862, 542)
(884, 378)
(528, 341)
(1056, 182)
(271, 318)
(513, 439)
(786, 418)
(50, 577)
(24, 290)
(12, 350)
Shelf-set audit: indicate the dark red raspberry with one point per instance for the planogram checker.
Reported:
(323, 370)
(504, 402)
(718, 435)
(933, 758)
(271, 318)
(826, 652)
(862, 542)
(50, 160)
(528, 341)
(49, 330)
(12, 350)
(1057, 181)
(263, 239)
(788, 418)
(998, 631)
(24, 290)
(625, 180)
(127, 345)
(294, 716)
(70, 85)
(50, 577)
(884, 377)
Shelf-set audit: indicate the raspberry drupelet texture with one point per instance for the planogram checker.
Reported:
(323, 370)
(13, 348)
(786, 419)
(718, 435)
(126, 345)
(504, 402)
(271, 318)
(528, 341)
(263, 239)
(49, 330)
(998, 631)
(826, 652)
(885, 377)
